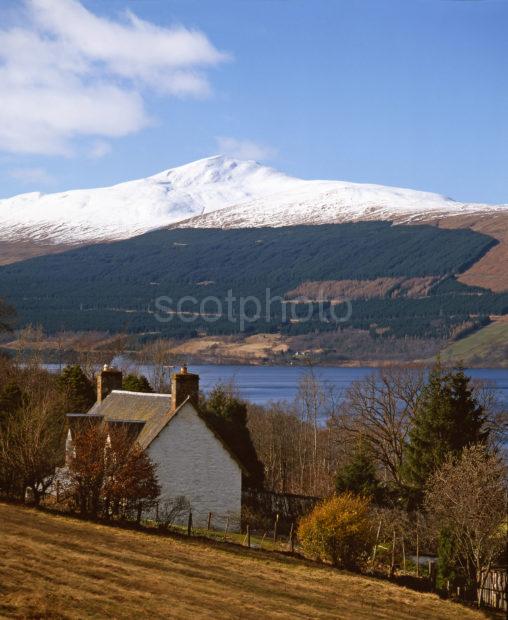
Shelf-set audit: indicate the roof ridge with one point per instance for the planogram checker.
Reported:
(140, 393)
(172, 414)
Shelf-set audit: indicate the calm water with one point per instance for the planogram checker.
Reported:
(261, 384)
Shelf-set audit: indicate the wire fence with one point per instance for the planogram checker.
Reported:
(259, 526)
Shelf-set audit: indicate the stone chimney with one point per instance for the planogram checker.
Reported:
(184, 384)
(108, 379)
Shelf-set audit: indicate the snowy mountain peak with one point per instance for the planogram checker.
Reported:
(133, 207)
(216, 191)
(221, 170)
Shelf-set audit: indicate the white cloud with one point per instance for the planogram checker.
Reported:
(31, 176)
(244, 149)
(68, 73)
(99, 149)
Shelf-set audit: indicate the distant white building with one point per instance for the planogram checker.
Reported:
(192, 460)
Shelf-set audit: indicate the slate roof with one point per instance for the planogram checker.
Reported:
(153, 410)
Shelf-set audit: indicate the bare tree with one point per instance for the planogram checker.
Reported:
(31, 442)
(468, 497)
(130, 483)
(158, 355)
(172, 510)
(109, 473)
(298, 456)
(273, 430)
(380, 408)
(496, 413)
(87, 466)
(31, 343)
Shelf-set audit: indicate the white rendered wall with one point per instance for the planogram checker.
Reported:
(192, 462)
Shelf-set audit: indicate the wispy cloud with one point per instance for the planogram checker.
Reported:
(31, 176)
(98, 149)
(66, 72)
(244, 149)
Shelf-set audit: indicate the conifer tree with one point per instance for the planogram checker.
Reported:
(78, 388)
(358, 475)
(136, 383)
(448, 418)
(227, 413)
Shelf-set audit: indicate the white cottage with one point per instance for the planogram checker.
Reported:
(191, 459)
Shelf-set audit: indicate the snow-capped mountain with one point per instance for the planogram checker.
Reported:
(331, 202)
(134, 207)
(214, 192)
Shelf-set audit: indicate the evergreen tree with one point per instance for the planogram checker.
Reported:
(448, 418)
(78, 388)
(136, 383)
(227, 414)
(447, 565)
(358, 475)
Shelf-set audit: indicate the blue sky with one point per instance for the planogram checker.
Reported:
(411, 93)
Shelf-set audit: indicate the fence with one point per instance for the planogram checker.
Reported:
(494, 591)
(231, 528)
(271, 525)
(286, 507)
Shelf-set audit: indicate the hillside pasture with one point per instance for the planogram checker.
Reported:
(59, 567)
(487, 345)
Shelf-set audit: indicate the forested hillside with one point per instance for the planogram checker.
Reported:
(115, 286)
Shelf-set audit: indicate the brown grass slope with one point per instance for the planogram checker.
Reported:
(491, 271)
(58, 567)
(15, 251)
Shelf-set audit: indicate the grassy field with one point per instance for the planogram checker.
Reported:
(489, 343)
(58, 567)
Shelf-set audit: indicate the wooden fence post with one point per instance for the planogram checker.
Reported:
(248, 536)
(377, 542)
(292, 539)
(209, 521)
(275, 528)
(189, 524)
(417, 553)
(432, 575)
(262, 541)
(392, 566)
(227, 528)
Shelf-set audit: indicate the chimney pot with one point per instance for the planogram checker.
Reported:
(184, 384)
(108, 379)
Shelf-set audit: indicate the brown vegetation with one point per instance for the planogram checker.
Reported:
(15, 251)
(491, 271)
(340, 530)
(348, 347)
(338, 290)
(379, 409)
(468, 497)
(57, 567)
(298, 453)
(109, 473)
(32, 407)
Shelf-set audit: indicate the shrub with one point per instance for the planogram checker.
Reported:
(172, 511)
(136, 383)
(339, 530)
